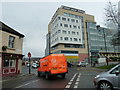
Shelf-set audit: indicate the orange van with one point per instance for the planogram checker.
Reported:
(54, 64)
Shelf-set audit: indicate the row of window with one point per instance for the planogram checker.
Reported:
(69, 46)
(67, 19)
(65, 32)
(73, 46)
(66, 52)
(66, 26)
(66, 39)
(70, 26)
(70, 39)
(73, 16)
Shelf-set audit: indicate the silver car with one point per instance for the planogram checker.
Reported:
(82, 64)
(108, 80)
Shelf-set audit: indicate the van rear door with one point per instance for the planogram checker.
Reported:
(58, 64)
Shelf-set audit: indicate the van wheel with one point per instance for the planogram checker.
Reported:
(47, 76)
(104, 85)
(63, 75)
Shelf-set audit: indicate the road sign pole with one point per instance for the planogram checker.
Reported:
(29, 55)
(29, 65)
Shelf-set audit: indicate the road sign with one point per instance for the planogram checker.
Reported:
(29, 54)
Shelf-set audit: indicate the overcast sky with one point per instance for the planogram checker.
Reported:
(32, 18)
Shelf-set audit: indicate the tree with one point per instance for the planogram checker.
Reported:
(111, 16)
(111, 13)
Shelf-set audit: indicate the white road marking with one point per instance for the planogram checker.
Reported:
(78, 79)
(27, 83)
(76, 86)
(68, 86)
(71, 81)
(77, 83)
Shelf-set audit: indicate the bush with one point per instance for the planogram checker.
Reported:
(106, 66)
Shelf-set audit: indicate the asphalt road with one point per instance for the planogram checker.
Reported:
(78, 77)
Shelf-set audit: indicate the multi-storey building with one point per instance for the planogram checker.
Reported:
(67, 33)
(11, 43)
(99, 41)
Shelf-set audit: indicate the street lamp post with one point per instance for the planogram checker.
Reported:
(104, 36)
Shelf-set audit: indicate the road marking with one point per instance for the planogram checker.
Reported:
(71, 81)
(77, 81)
(68, 86)
(27, 84)
(76, 86)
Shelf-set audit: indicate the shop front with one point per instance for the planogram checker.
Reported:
(11, 64)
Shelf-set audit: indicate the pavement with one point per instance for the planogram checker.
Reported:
(11, 77)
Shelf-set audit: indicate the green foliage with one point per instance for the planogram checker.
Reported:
(106, 66)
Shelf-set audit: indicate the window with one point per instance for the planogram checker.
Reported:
(6, 63)
(11, 42)
(72, 15)
(68, 19)
(59, 31)
(80, 40)
(70, 39)
(76, 21)
(70, 26)
(74, 26)
(58, 18)
(72, 20)
(9, 63)
(66, 14)
(68, 32)
(113, 72)
(60, 24)
(12, 63)
(73, 33)
(78, 27)
(72, 45)
(75, 39)
(65, 25)
(64, 19)
(64, 32)
(73, 52)
(77, 33)
(61, 38)
(66, 38)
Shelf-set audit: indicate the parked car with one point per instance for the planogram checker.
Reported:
(28, 65)
(34, 65)
(108, 80)
(82, 63)
(69, 64)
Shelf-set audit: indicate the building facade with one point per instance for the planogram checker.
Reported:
(99, 42)
(67, 33)
(11, 43)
